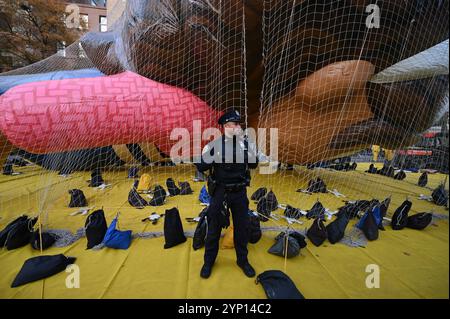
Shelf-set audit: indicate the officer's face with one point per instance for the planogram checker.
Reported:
(232, 128)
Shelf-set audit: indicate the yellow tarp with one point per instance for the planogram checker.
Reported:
(413, 264)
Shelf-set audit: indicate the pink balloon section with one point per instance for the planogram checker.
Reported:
(61, 115)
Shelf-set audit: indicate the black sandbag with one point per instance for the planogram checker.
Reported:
(4, 233)
(20, 234)
(96, 178)
(41, 267)
(370, 227)
(185, 188)
(263, 210)
(384, 206)
(47, 240)
(133, 172)
(8, 169)
(136, 200)
(316, 211)
(172, 187)
(272, 201)
(77, 198)
(419, 221)
(297, 236)
(266, 205)
(400, 217)
(159, 196)
(95, 227)
(277, 285)
(351, 210)
(279, 248)
(336, 229)
(259, 193)
(423, 180)
(400, 175)
(440, 196)
(317, 186)
(317, 233)
(198, 240)
(173, 228)
(372, 169)
(390, 172)
(254, 229)
(292, 212)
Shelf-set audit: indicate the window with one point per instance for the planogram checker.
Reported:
(103, 24)
(84, 19)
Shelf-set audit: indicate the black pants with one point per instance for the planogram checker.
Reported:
(238, 203)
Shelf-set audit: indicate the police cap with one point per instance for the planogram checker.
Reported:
(230, 116)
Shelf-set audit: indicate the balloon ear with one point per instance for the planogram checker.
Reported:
(100, 49)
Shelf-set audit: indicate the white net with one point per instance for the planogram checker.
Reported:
(303, 68)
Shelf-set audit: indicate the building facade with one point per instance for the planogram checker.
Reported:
(92, 12)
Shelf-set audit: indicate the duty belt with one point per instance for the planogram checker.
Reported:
(234, 187)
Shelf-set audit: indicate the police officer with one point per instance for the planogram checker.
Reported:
(228, 160)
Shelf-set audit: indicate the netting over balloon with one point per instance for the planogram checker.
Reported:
(331, 78)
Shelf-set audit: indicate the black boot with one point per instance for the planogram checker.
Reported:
(247, 268)
(206, 271)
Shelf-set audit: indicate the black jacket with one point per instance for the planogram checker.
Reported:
(229, 159)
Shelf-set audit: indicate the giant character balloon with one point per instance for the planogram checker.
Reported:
(319, 72)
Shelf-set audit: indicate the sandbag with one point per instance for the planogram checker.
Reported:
(400, 217)
(159, 196)
(47, 240)
(266, 205)
(95, 227)
(384, 206)
(185, 188)
(77, 198)
(8, 169)
(440, 196)
(400, 175)
(317, 186)
(279, 248)
(369, 226)
(419, 221)
(144, 183)
(254, 228)
(259, 193)
(316, 211)
(317, 233)
(336, 229)
(228, 238)
(277, 285)
(172, 187)
(20, 234)
(133, 172)
(372, 169)
(297, 236)
(292, 212)
(173, 228)
(264, 208)
(423, 180)
(96, 178)
(136, 200)
(41, 267)
(115, 238)
(4, 233)
(204, 197)
(198, 240)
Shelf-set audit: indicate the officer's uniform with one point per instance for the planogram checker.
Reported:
(229, 161)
